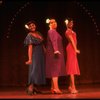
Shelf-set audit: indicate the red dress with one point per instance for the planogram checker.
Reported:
(72, 66)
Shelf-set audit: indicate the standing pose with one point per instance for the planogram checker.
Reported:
(36, 62)
(55, 64)
(72, 66)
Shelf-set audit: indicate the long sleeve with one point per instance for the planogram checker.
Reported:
(53, 37)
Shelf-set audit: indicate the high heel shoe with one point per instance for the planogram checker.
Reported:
(73, 91)
(29, 92)
(52, 90)
(36, 91)
(55, 91)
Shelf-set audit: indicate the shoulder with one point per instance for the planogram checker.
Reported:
(29, 35)
(74, 32)
(68, 32)
(38, 32)
(52, 31)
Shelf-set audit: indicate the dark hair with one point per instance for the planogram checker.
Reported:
(31, 22)
(70, 19)
(50, 20)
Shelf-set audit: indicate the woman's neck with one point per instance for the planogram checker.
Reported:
(52, 28)
(70, 28)
(33, 32)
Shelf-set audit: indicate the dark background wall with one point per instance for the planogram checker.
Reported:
(13, 54)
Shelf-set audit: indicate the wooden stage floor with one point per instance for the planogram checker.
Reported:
(85, 92)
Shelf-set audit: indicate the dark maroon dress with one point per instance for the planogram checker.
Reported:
(55, 66)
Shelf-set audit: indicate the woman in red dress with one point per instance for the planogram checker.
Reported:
(72, 67)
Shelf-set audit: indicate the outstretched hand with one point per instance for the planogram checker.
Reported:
(56, 54)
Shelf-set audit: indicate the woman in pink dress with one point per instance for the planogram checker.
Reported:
(55, 64)
(72, 67)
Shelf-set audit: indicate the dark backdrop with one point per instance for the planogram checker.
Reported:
(13, 54)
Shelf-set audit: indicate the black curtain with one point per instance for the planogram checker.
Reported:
(13, 53)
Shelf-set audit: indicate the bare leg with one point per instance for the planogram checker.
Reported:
(55, 82)
(30, 88)
(55, 85)
(72, 81)
(72, 87)
(52, 85)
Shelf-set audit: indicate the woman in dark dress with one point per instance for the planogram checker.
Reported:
(36, 60)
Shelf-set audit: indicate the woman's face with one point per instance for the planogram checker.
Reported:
(32, 27)
(70, 24)
(53, 24)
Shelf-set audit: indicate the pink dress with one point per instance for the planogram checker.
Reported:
(72, 66)
(54, 66)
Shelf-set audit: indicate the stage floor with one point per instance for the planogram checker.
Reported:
(85, 92)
